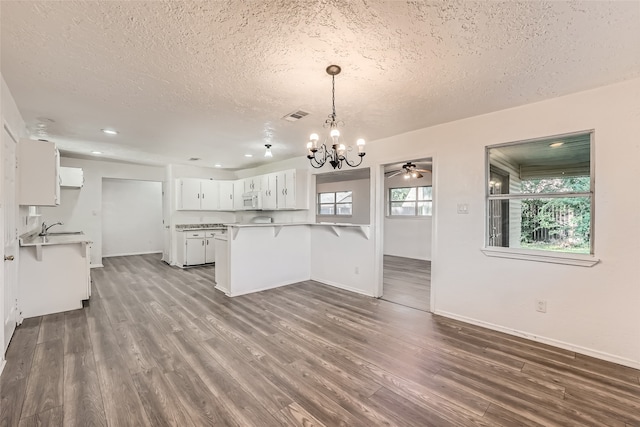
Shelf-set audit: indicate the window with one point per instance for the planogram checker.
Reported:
(540, 194)
(336, 203)
(410, 201)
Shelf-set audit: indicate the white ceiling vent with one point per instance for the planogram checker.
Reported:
(296, 115)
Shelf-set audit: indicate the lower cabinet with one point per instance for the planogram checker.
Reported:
(195, 248)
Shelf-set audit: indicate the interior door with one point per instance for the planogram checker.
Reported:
(10, 232)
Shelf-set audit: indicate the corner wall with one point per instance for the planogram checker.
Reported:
(81, 209)
(592, 310)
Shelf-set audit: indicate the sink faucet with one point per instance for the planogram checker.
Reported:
(45, 229)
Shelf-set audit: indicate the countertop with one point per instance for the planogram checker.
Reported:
(198, 227)
(65, 239)
(202, 229)
(284, 224)
(269, 224)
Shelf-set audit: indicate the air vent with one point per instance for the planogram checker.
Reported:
(296, 115)
(193, 159)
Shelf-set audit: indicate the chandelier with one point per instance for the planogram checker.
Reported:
(338, 153)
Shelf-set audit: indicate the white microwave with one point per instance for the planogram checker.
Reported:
(252, 201)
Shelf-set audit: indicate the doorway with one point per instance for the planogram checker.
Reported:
(407, 233)
(131, 217)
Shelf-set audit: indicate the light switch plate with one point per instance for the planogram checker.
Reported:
(463, 208)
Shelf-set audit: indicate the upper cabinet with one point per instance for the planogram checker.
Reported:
(252, 184)
(238, 191)
(292, 189)
(226, 195)
(71, 177)
(286, 190)
(269, 191)
(197, 194)
(39, 172)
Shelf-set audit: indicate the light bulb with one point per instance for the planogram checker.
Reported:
(407, 176)
(360, 144)
(414, 174)
(267, 152)
(334, 133)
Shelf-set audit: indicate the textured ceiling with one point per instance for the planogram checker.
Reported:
(183, 79)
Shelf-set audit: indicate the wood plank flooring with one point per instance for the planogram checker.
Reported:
(407, 281)
(159, 346)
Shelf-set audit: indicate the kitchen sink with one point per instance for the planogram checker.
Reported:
(64, 233)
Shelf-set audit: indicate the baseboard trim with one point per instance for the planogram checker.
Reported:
(132, 253)
(343, 287)
(96, 266)
(544, 340)
(266, 288)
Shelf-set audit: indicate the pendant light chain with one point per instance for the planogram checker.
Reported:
(333, 98)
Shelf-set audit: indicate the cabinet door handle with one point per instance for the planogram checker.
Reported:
(198, 195)
(203, 243)
(207, 242)
(203, 195)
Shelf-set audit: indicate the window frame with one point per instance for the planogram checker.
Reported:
(416, 214)
(334, 204)
(558, 257)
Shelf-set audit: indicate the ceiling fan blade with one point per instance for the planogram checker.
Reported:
(423, 170)
(393, 173)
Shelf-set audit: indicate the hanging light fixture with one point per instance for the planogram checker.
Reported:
(267, 152)
(338, 153)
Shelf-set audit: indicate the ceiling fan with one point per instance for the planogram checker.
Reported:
(408, 170)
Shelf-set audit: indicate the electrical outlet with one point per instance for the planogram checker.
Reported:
(463, 208)
(541, 305)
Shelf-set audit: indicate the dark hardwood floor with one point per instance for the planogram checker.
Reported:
(159, 346)
(407, 281)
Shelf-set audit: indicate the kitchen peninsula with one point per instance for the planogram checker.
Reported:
(54, 273)
(256, 257)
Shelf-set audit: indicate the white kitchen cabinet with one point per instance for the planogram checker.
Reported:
(269, 191)
(292, 189)
(226, 195)
(195, 253)
(39, 172)
(71, 177)
(197, 194)
(209, 195)
(195, 248)
(238, 191)
(209, 248)
(252, 184)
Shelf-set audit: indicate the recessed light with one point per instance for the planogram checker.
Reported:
(217, 166)
(110, 131)
(248, 155)
(556, 144)
(96, 152)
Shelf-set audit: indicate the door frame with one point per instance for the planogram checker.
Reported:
(3, 210)
(378, 188)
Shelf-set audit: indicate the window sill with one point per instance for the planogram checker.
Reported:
(581, 260)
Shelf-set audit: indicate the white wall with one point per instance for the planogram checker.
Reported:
(590, 310)
(81, 209)
(407, 237)
(361, 196)
(131, 217)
